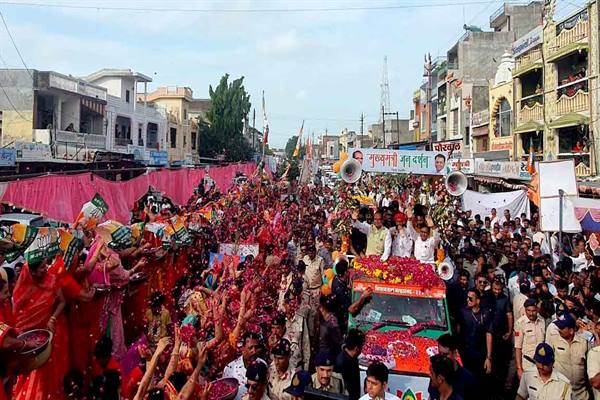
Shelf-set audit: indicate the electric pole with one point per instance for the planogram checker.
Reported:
(362, 121)
(428, 73)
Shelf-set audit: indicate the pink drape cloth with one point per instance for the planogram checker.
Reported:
(60, 197)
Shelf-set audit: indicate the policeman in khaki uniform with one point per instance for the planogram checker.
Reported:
(593, 364)
(530, 330)
(570, 351)
(280, 371)
(543, 382)
(325, 379)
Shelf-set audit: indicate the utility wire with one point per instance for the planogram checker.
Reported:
(248, 10)
(15, 44)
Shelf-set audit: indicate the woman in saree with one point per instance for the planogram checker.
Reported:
(108, 270)
(38, 303)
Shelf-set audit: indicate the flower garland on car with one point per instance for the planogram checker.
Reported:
(400, 347)
(398, 270)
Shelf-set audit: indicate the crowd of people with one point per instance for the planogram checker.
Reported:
(524, 317)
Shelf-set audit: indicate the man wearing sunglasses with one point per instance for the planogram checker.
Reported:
(256, 382)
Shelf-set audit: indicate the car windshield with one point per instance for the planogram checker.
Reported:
(403, 311)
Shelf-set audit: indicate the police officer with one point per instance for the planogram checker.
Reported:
(280, 371)
(530, 329)
(543, 382)
(300, 381)
(256, 382)
(570, 350)
(325, 379)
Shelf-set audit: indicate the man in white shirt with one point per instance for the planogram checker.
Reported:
(402, 243)
(493, 217)
(237, 368)
(425, 243)
(377, 383)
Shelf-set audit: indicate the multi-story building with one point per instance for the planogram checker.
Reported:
(501, 105)
(463, 80)
(182, 131)
(53, 109)
(329, 147)
(554, 86)
(133, 125)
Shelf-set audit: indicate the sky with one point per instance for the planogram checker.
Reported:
(320, 61)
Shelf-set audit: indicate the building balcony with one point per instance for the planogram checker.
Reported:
(572, 99)
(119, 141)
(571, 36)
(529, 61)
(81, 139)
(530, 110)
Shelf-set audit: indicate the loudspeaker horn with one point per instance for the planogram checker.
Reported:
(445, 270)
(351, 170)
(456, 183)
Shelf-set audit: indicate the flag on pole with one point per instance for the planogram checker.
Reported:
(530, 164)
(298, 142)
(265, 122)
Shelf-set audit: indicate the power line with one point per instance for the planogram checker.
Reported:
(15, 44)
(247, 10)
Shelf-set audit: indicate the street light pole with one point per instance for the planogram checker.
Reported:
(428, 74)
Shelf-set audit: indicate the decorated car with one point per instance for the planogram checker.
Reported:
(407, 313)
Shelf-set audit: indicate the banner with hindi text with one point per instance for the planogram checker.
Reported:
(400, 161)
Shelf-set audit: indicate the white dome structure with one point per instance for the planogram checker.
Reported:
(505, 68)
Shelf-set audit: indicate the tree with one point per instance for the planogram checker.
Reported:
(290, 146)
(222, 132)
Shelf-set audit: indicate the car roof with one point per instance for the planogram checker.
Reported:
(19, 217)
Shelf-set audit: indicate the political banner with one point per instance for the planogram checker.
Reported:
(46, 244)
(503, 169)
(69, 246)
(400, 161)
(114, 234)
(22, 236)
(92, 213)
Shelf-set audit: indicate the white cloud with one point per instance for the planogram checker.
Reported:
(285, 43)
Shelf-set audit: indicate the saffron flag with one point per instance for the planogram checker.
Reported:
(299, 141)
(530, 164)
(265, 123)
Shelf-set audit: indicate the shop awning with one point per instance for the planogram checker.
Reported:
(530, 126)
(479, 131)
(570, 119)
(527, 68)
(568, 49)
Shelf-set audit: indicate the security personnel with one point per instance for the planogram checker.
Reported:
(300, 381)
(530, 329)
(256, 381)
(280, 371)
(325, 379)
(570, 350)
(543, 382)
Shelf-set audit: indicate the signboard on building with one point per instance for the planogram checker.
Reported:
(528, 41)
(400, 161)
(465, 165)
(502, 143)
(453, 148)
(26, 151)
(8, 157)
(158, 158)
(139, 152)
(503, 169)
(189, 159)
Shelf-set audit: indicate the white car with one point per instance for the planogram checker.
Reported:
(33, 220)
